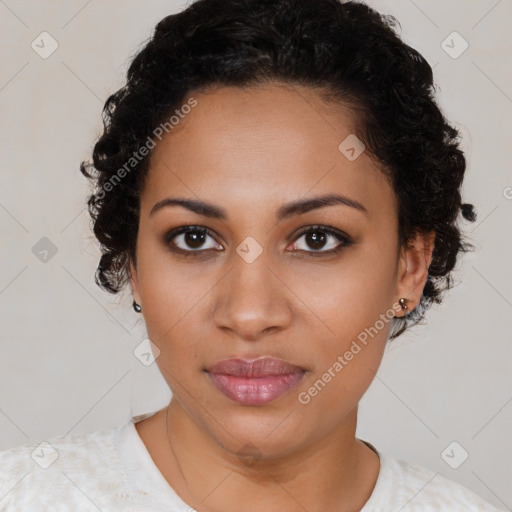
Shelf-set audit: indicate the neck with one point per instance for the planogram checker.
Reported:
(335, 472)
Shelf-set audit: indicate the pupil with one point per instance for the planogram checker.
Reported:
(194, 239)
(315, 239)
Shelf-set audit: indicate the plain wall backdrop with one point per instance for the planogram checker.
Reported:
(66, 355)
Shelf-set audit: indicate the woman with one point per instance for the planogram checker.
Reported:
(280, 191)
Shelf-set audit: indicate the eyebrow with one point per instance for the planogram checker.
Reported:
(298, 207)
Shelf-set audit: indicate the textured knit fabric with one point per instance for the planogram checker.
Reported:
(111, 470)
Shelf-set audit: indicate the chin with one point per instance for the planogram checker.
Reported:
(252, 433)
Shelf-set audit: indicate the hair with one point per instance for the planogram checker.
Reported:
(349, 53)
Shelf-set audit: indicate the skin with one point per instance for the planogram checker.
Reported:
(249, 151)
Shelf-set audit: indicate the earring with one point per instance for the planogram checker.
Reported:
(136, 307)
(403, 304)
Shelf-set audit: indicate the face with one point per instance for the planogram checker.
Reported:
(259, 275)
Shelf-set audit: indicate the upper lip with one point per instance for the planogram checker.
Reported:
(260, 367)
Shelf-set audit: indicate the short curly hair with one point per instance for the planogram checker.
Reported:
(346, 51)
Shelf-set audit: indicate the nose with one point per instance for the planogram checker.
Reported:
(251, 301)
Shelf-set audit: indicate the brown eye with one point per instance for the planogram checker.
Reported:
(316, 239)
(191, 239)
(194, 239)
(321, 240)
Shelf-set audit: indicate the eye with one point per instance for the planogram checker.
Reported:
(322, 239)
(190, 239)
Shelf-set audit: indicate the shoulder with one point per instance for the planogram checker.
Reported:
(420, 489)
(75, 469)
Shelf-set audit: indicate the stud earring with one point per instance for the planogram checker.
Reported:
(403, 304)
(136, 307)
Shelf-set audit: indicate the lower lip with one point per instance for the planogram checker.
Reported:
(256, 390)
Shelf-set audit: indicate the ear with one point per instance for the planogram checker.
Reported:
(134, 282)
(413, 265)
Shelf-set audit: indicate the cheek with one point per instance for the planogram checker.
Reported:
(351, 293)
(358, 312)
(334, 392)
(354, 300)
(170, 293)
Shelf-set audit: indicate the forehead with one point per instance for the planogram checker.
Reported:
(265, 143)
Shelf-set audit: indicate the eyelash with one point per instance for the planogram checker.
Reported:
(342, 237)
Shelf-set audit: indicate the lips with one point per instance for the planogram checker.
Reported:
(261, 367)
(257, 382)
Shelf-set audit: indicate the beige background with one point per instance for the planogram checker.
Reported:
(67, 362)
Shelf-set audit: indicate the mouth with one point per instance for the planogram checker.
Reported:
(257, 382)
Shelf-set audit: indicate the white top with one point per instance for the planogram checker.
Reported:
(111, 470)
